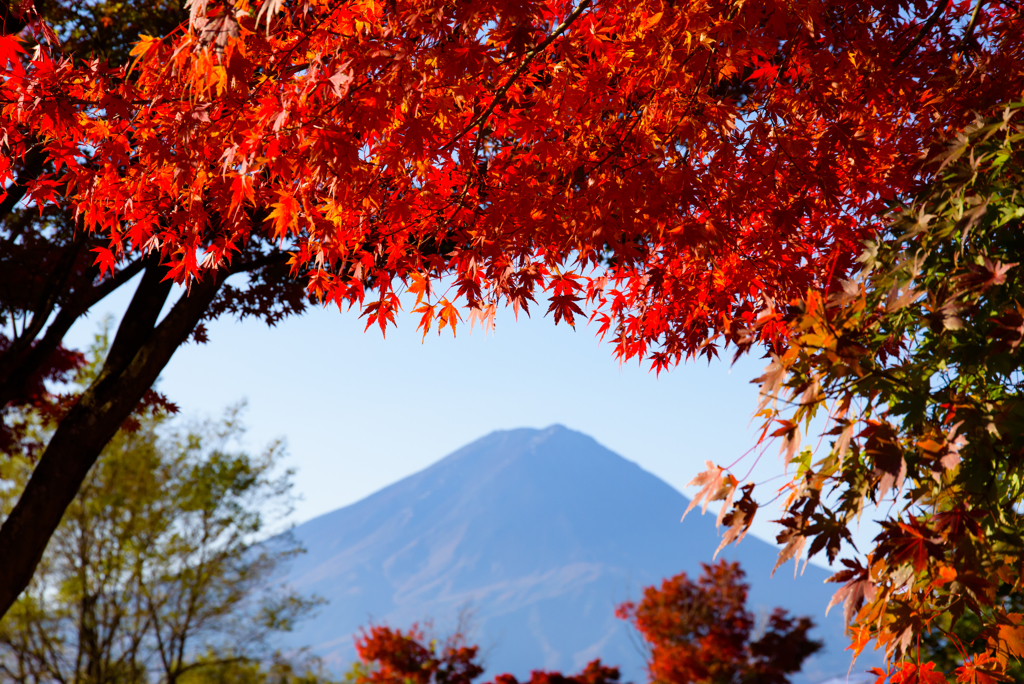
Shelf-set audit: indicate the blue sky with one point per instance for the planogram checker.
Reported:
(360, 411)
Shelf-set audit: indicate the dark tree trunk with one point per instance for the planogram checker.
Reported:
(140, 351)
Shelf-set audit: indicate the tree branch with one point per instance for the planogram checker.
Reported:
(970, 26)
(140, 318)
(17, 368)
(10, 20)
(56, 284)
(92, 422)
(499, 95)
(905, 52)
(32, 166)
(275, 257)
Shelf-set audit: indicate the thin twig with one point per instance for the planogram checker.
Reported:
(921, 34)
(970, 27)
(500, 93)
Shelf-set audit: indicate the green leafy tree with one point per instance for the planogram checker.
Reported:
(277, 671)
(919, 366)
(163, 555)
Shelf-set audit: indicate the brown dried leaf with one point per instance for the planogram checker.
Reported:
(885, 452)
(738, 519)
(794, 540)
(771, 382)
(853, 593)
(715, 485)
(843, 443)
(790, 434)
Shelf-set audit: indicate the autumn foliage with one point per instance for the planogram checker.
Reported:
(681, 172)
(696, 633)
(683, 167)
(702, 633)
(593, 673)
(396, 656)
(917, 366)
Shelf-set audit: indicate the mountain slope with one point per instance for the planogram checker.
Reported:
(539, 533)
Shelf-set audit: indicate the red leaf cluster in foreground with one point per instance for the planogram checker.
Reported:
(683, 168)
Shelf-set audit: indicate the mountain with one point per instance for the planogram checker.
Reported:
(539, 534)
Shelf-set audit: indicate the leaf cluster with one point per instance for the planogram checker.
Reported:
(397, 656)
(593, 673)
(702, 633)
(244, 671)
(680, 168)
(918, 366)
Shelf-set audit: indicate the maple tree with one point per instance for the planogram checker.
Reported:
(702, 633)
(593, 673)
(917, 364)
(678, 169)
(396, 656)
(48, 281)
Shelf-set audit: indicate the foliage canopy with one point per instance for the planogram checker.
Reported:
(917, 363)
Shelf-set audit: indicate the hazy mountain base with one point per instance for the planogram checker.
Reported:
(540, 533)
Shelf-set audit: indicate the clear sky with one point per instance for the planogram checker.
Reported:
(360, 412)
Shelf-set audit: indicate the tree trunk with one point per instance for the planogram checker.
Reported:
(140, 351)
